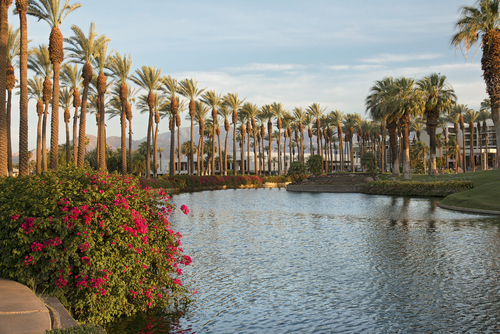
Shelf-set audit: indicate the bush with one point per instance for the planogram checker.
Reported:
(277, 179)
(369, 161)
(314, 164)
(82, 329)
(98, 242)
(297, 167)
(417, 188)
(193, 182)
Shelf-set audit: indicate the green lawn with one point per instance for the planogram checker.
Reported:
(480, 178)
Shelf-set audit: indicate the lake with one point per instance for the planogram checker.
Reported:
(271, 261)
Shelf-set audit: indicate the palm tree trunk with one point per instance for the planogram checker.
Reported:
(54, 120)
(10, 167)
(220, 150)
(243, 154)
(130, 146)
(23, 99)
(123, 124)
(485, 130)
(148, 143)
(214, 119)
(225, 153)
(179, 150)
(464, 160)
(405, 123)
(102, 136)
(68, 149)
(75, 134)
(284, 152)
(44, 137)
(87, 70)
(235, 163)
(4, 31)
(172, 146)
(38, 145)
(393, 140)
(248, 153)
(270, 150)
(155, 153)
(191, 160)
(471, 148)
(255, 150)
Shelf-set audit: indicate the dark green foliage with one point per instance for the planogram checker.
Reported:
(297, 167)
(417, 188)
(369, 161)
(82, 329)
(193, 182)
(98, 242)
(314, 163)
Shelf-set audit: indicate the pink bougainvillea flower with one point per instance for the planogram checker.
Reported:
(184, 209)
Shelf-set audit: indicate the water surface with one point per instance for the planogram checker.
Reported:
(271, 261)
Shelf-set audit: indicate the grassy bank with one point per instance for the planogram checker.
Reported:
(417, 188)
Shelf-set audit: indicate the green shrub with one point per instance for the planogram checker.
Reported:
(417, 188)
(314, 164)
(98, 242)
(82, 329)
(194, 182)
(277, 179)
(297, 167)
(369, 161)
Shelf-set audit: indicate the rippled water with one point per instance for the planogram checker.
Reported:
(271, 261)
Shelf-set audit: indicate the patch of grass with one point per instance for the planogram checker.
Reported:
(479, 177)
(485, 197)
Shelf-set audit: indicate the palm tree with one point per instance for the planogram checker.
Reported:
(485, 114)
(454, 117)
(4, 31)
(443, 124)
(482, 21)
(160, 150)
(35, 91)
(278, 111)
(316, 112)
(252, 111)
(470, 117)
(13, 50)
(225, 112)
(235, 104)
(189, 89)
(286, 123)
(405, 101)
(39, 62)
(438, 95)
(51, 12)
(213, 100)
(181, 106)
(300, 118)
(149, 79)
(337, 119)
(71, 77)
(172, 88)
(83, 50)
(453, 149)
(65, 101)
(268, 114)
(377, 103)
(186, 150)
(200, 118)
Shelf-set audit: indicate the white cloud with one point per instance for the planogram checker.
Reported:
(397, 58)
(261, 67)
(339, 67)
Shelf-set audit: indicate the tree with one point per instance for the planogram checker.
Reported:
(300, 118)
(278, 111)
(316, 112)
(172, 88)
(65, 102)
(268, 114)
(454, 117)
(482, 21)
(337, 118)
(120, 69)
(149, 79)
(470, 117)
(83, 50)
(253, 111)
(51, 12)
(71, 77)
(213, 100)
(35, 91)
(439, 96)
(39, 62)
(4, 33)
(13, 50)
(189, 89)
(200, 118)
(225, 111)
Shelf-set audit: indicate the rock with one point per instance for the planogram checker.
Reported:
(369, 179)
(460, 170)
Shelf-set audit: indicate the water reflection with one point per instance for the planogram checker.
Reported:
(271, 261)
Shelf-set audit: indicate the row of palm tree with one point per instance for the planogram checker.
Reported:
(391, 102)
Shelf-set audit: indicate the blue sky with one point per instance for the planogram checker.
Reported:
(297, 53)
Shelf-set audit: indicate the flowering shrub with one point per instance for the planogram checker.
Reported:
(99, 242)
(417, 188)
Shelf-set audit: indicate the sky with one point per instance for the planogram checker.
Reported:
(294, 52)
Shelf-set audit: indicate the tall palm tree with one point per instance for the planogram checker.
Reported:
(225, 112)
(316, 113)
(181, 106)
(286, 123)
(454, 117)
(120, 69)
(406, 101)
(443, 124)
(438, 95)
(71, 77)
(4, 31)
(21, 9)
(278, 111)
(470, 117)
(482, 22)
(200, 118)
(149, 79)
(189, 89)
(83, 50)
(253, 111)
(213, 100)
(35, 91)
(268, 114)
(300, 117)
(65, 101)
(337, 119)
(172, 88)
(484, 116)
(52, 12)
(13, 50)
(235, 104)
(39, 62)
